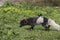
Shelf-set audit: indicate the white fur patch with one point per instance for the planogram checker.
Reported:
(53, 24)
(39, 20)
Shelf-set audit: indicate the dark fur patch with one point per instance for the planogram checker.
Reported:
(29, 21)
(45, 21)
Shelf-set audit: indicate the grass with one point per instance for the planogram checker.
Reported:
(17, 33)
(10, 17)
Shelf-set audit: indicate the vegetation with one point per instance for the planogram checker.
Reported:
(10, 16)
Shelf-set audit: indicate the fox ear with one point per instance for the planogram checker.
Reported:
(40, 15)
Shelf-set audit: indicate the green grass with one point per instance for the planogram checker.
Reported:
(10, 16)
(17, 33)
